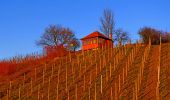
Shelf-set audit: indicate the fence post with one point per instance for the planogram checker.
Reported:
(19, 92)
(101, 83)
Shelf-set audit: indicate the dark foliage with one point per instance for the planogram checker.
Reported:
(154, 35)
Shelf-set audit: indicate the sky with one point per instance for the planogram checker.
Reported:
(22, 22)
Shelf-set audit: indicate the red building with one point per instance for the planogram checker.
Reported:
(96, 40)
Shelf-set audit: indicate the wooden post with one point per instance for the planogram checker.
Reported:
(89, 94)
(123, 76)
(101, 84)
(35, 74)
(72, 67)
(80, 69)
(45, 67)
(111, 94)
(119, 84)
(10, 87)
(66, 78)
(114, 64)
(84, 83)
(90, 77)
(68, 95)
(116, 97)
(52, 71)
(110, 70)
(136, 91)
(83, 55)
(43, 76)
(100, 65)
(49, 88)
(19, 94)
(70, 56)
(126, 68)
(96, 69)
(39, 92)
(31, 85)
(7, 94)
(58, 76)
(106, 75)
(57, 91)
(95, 93)
(24, 80)
(76, 93)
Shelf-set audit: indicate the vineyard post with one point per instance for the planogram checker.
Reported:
(84, 83)
(126, 69)
(10, 87)
(101, 84)
(31, 85)
(89, 93)
(149, 41)
(90, 77)
(76, 92)
(58, 76)
(117, 58)
(57, 91)
(100, 65)
(35, 74)
(138, 83)
(111, 94)
(39, 92)
(106, 75)
(24, 80)
(85, 67)
(136, 91)
(110, 70)
(68, 95)
(158, 82)
(52, 71)
(96, 69)
(114, 63)
(45, 67)
(133, 89)
(83, 54)
(19, 94)
(108, 55)
(95, 93)
(119, 84)
(66, 78)
(116, 91)
(111, 51)
(80, 68)
(72, 67)
(123, 76)
(43, 76)
(69, 56)
(7, 94)
(49, 88)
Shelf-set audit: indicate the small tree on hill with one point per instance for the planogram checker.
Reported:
(56, 35)
(121, 36)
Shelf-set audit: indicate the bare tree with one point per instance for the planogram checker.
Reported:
(107, 22)
(56, 35)
(121, 36)
(154, 34)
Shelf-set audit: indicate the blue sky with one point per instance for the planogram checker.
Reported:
(22, 22)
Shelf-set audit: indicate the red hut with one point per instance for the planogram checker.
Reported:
(96, 40)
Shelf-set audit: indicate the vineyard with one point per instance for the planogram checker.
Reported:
(129, 72)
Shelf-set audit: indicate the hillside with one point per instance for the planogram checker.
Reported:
(130, 72)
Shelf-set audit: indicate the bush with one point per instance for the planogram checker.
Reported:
(154, 34)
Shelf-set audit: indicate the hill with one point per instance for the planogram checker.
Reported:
(129, 72)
